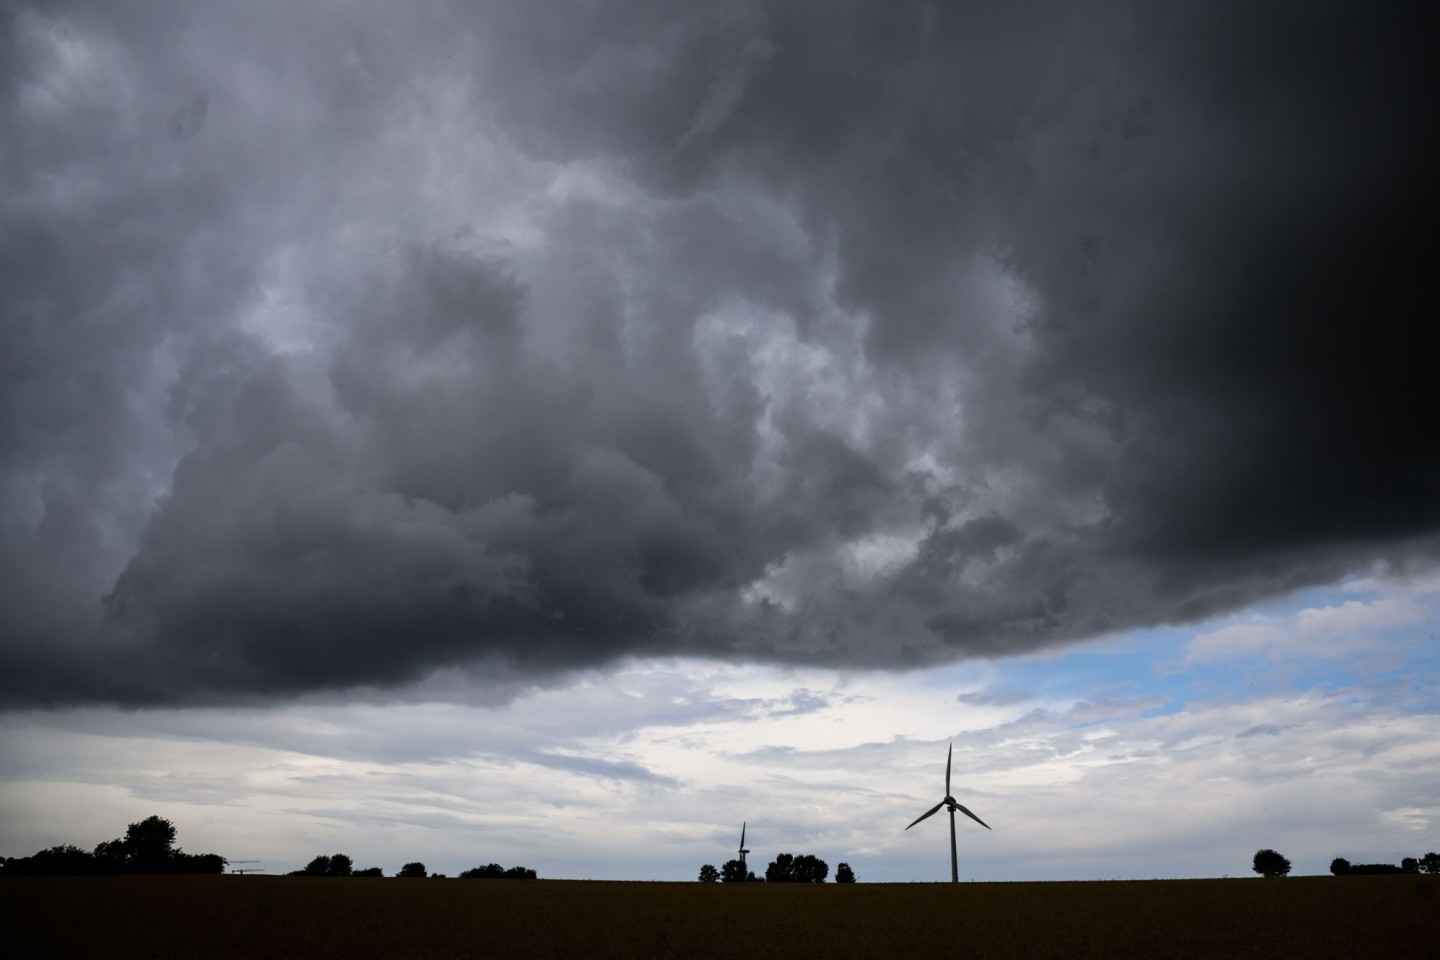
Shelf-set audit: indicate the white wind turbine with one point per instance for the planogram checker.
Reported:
(951, 803)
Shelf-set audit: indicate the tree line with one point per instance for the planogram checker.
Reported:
(786, 868)
(340, 865)
(1430, 863)
(1269, 863)
(147, 847)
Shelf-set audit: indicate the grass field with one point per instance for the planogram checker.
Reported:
(227, 916)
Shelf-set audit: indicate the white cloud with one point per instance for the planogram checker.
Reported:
(647, 771)
(1331, 631)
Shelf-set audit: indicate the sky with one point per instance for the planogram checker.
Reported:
(557, 434)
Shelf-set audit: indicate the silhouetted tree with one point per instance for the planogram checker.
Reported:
(810, 869)
(319, 867)
(1339, 866)
(733, 872)
(781, 869)
(340, 866)
(149, 844)
(369, 872)
(1430, 863)
(491, 871)
(416, 869)
(1268, 863)
(843, 874)
(802, 869)
(1409, 865)
(708, 873)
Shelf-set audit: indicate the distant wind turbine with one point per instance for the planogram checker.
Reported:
(950, 803)
(743, 851)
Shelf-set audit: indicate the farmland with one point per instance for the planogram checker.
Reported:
(228, 916)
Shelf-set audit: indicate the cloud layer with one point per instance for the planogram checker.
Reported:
(346, 346)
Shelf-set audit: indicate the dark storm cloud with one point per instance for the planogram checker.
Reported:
(342, 346)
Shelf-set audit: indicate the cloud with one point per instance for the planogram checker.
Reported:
(942, 334)
(994, 698)
(615, 777)
(727, 90)
(1329, 632)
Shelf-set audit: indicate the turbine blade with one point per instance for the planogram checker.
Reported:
(742, 833)
(966, 810)
(928, 813)
(947, 768)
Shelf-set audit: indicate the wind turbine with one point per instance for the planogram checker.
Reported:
(743, 851)
(953, 805)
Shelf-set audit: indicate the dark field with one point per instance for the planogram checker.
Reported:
(227, 916)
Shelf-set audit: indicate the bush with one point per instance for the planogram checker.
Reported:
(412, 870)
(843, 874)
(1339, 866)
(1372, 869)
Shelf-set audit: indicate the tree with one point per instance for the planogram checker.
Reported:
(1409, 865)
(369, 872)
(491, 871)
(150, 843)
(319, 867)
(810, 869)
(1430, 863)
(112, 856)
(733, 872)
(340, 866)
(708, 873)
(802, 869)
(1268, 863)
(1339, 866)
(416, 869)
(781, 869)
(519, 873)
(843, 874)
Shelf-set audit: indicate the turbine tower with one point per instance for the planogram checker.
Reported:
(743, 851)
(950, 803)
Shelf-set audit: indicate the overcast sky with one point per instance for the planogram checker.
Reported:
(556, 433)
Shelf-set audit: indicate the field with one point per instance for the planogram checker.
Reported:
(229, 916)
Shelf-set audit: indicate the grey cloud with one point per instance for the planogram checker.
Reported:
(413, 345)
(1261, 730)
(727, 90)
(610, 769)
(997, 698)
